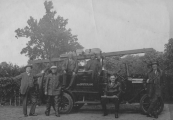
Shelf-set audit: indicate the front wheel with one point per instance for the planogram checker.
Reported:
(66, 104)
(145, 103)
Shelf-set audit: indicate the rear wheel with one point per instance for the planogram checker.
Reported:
(66, 104)
(145, 103)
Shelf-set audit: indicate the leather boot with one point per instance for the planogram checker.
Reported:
(149, 115)
(116, 114)
(57, 114)
(57, 102)
(116, 107)
(57, 111)
(155, 114)
(47, 113)
(105, 113)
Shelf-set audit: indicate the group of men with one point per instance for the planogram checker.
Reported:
(53, 84)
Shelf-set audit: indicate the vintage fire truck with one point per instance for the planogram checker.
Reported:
(84, 91)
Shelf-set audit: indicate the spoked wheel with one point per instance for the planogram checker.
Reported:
(145, 103)
(66, 104)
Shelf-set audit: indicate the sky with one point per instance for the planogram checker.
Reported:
(111, 25)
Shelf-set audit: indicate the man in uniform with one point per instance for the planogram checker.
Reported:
(113, 89)
(156, 81)
(27, 89)
(53, 90)
(94, 65)
(70, 68)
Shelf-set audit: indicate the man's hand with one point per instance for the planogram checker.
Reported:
(115, 96)
(74, 73)
(42, 71)
(64, 71)
(104, 92)
(45, 93)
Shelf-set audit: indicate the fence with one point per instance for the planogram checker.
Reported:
(10, 92)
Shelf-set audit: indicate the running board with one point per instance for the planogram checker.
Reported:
(84, 92)
(88, 102)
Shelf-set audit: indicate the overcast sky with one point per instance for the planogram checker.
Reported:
(112, 25)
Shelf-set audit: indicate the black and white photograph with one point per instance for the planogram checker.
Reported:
(86, 59)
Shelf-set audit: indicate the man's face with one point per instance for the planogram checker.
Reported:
(113, 78)
(53, 70)
(92, 57)
(154, 66)
(28, 69)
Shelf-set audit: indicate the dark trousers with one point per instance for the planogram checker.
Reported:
(29, 93)
(95, 80)
(54, 102)
(153, 105)
(94, 77)
(66, 77)
(104, 101)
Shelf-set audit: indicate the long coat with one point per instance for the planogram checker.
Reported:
(70, 66)
(26, 81)
(156, 83)
(53, 84)
(93, 65)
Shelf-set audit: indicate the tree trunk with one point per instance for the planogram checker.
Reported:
(10, 101)
(14, 98)
(19, 100)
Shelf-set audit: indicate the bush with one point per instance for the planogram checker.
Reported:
(8, 88)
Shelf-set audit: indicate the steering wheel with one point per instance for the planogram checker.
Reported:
(123, 82)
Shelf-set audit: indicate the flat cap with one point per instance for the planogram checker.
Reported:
(29, 65)
(53, 67)
(153, 63)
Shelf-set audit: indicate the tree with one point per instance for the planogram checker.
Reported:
(169, 55)
(154, 56)
(49, 37)
(138, 65)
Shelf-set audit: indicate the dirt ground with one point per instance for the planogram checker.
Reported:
(127, 112)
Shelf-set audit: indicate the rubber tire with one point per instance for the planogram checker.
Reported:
(66, 96)
(144, 109)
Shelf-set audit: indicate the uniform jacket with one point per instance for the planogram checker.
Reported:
(26, 81)
(93, 65)
(113, 89)
(70, 66)
(53, 84)
(156, 82)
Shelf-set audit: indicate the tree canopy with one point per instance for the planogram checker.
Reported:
(137, 65)
(169, 55)
(49, 36)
